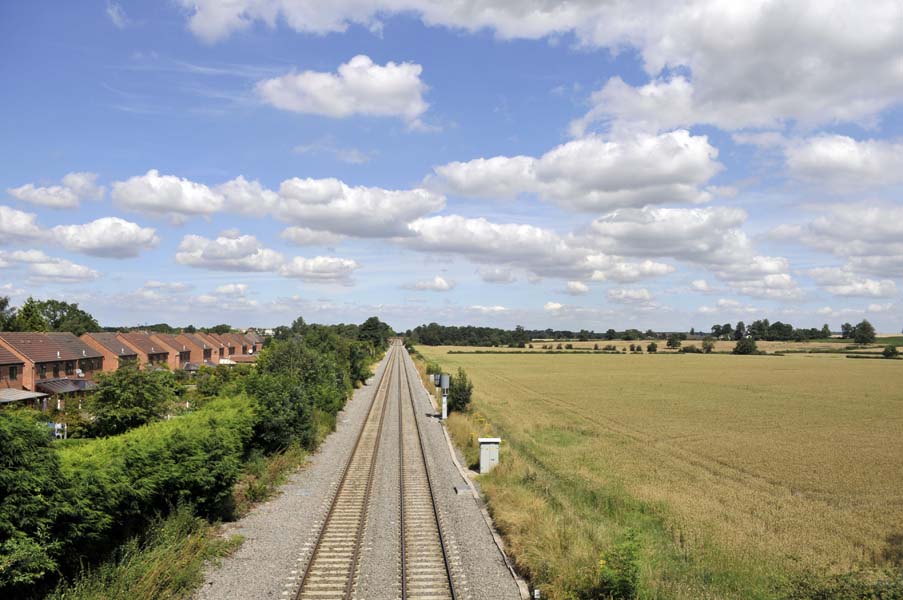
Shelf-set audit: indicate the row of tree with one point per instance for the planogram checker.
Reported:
(862, 333)
(45, 315)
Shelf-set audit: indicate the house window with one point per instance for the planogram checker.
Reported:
(56, 369)
(13, 373)
(70, 368)
(43, 371)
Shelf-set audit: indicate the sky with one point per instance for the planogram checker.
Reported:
(584, 164)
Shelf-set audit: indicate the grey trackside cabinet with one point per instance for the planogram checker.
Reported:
(489, 453)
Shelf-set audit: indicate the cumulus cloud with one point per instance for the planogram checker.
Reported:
(320, 269)
(227, 252)
(47, 269)
(246, 197)
(18, 226)
(576, 288)
(496, 274)
(729, 307)
(613, 268)
(843, 282)
(358, 87)
(488, 310)
(700, 285)
(166, 195)
(109, 237)
(233, 289)
(630, 295)
(436, 284)
(170, 286)
(75, 187)
(840, 162)
(303, 236)
(330, 205)
(593, 173)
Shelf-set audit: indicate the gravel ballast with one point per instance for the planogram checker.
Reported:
(279, 534)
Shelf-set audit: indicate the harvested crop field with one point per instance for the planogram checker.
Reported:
(735, 475)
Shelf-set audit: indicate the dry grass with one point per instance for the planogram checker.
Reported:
(736, 471)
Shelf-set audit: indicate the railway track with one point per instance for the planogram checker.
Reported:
(424, 571)
(332, 568)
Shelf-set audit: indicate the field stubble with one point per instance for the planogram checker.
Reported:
(736, 472)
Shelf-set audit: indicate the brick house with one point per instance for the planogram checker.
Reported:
(219, 349)
(57, 364)
(179, 353)
(201, 351)
(255, 339)
(11, 367)
(148, 351)
(115, 352)
(228, 344)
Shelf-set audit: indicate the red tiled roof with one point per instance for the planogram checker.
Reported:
(49, 347)
(143, 342)
(253, 336)
(211, 340)
(198, 340)
(172, 341)
(223, 339)
(112, 343)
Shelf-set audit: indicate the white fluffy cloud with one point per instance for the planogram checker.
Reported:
(842, 282)
(246, 197)
(303, 236)
(47, 269)
(166, 195)
(233, 289)
(322, 269)
(436, 284)
(838, 161)
(110, 237)
(18, 226)
(228, 252)
(595, 174)
(359, 87)
(630, 295)
(330, 205)
(576, 288)
(496, 274)
(75, 187)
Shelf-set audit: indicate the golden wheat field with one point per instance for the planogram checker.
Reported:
(737, 471)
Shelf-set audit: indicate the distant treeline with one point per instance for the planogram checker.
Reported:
(762, 329)
(468, 335)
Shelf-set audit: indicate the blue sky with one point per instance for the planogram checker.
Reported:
(579, 165)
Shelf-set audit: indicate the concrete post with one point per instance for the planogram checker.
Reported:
(444, 406)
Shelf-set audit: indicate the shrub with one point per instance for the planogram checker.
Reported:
(130, 397)
(652, 347)
(674, 341)
(569, 346)
(890, 351)
(691, 349)
(460, 391)
(708, 344)
(746, 346)
(619, 570)
(284, 409)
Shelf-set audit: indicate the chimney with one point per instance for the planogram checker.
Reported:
(57, 353)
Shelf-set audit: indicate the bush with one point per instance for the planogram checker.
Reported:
(890, 352)
(674, 341)
(746, 346)
(652, 347)
(285, 411)
(460, 391)
(691, 349)
(619, 570)
(130, 397)
(708, 344)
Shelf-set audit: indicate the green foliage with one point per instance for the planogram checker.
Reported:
(692, 349)
(708, 344)
(890, 351)
(219, 329)
(652, 348)
(213, 381)
(864, 333)
(460, 390)
(165, 563)
(674, 341)
(29, 317)
(130, 397)
(33, 499)
(375, 332)
(284, 409)
(746, 346)
(7, 314)
(619, 570)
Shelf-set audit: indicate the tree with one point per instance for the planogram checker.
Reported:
(582, 336)
(7, 314)
(285, 411)
(708, 344)
(674, 341)
(864, 333)
(460, 390)
(130, 397)
(825, 331)
(63, 316)
(652, 348)
(716, 331)
(189, 329)
(376, 332)
(890, 351)
(727, 331)
(611, 334)
(220, 329)
(740, 331)
(746, 346)
(846, 331)
(29, 317)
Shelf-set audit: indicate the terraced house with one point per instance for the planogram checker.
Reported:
(149, 351)
(55, 364)
(115, 353)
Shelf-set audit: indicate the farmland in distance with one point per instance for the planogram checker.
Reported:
(734, 474)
